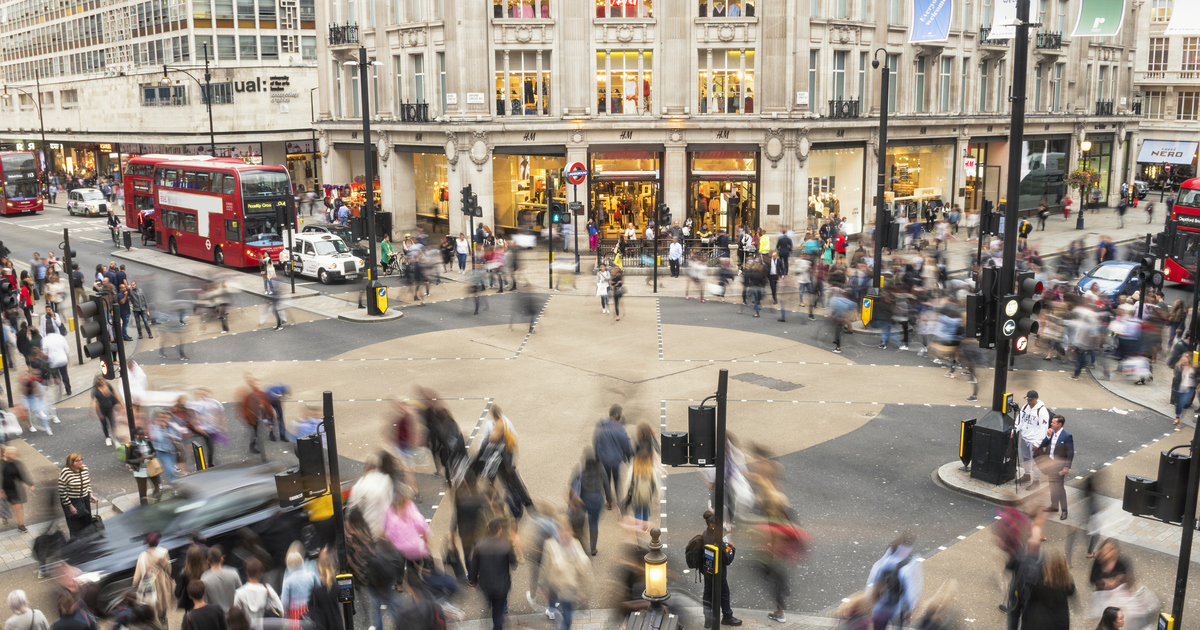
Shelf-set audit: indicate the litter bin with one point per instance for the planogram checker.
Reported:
(1139, 491)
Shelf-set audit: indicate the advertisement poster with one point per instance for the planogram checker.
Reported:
(931, 20)
(1003, 20)
(1185, 19)
(1100, 18)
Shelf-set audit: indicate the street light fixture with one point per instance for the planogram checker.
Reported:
(37, 100)
(657, 617)
(207, 94)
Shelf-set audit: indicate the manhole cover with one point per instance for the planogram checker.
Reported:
(766, 381)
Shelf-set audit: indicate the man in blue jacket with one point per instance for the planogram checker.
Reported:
(610, 441)
(1060, 446)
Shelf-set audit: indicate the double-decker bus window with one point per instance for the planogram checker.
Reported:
(232, 232)
(142, 203)
(262, 231)
(204, 181)
(189, 222)
(265, 184)
(171, 219)
(1186, 249)
(1189, 197)
(188, 180)
(228, 184)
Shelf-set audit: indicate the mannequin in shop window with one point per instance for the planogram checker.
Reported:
(749, 102)
(749, 12)
(703, 9)
(718, 9)
(735, 10)
(624, 206)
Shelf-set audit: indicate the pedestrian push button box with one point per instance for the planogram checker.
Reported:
(712, 560)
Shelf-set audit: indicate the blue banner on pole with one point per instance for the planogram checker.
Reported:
(931, 20)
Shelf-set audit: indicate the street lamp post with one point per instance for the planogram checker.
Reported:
(369, 176)
(37, 100)
(882, 224)
(1084, 147)
(207, 87)
(312, 115)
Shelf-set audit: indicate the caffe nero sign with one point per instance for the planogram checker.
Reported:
(1167, 152)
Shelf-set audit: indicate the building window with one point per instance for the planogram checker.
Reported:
(1159, 51)
(374, 88)
(1058, 76)
(839, 75)
(355, 93)
(864, 10)
(604, 8)
(987, 13)
(1062, 16)
(204, 47)
(226, 48)
(1191, 54)
(1156, 105)
(1100, 83)
(522, 83)
(70, 99)
(224, 9)
(966, 16)
(893, 62)
(944, 86)
(813, 62)
(893, 11)
(248, 46)
(962, 86)
(1001, 94)
(1037, 88)
(1042, 12)
(919, 94)
(1186, 108)
(308, 11)
(266, 11)
(418, 65)
(840, 9)
(416, 10)
(270, 47)
(441, 57)
(983, 87)
(814, 8)
(1160, 10)
(163, 95)
(398, 70)
(222, 94)
(624, 82)
(862, 81)
(202, 9)
(245, 10)
(308, 47)
(337, 90)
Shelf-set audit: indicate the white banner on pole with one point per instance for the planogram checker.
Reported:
(1004, 20)
(1185, 19)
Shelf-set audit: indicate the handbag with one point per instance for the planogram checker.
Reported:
(154, 468)
(146, 592)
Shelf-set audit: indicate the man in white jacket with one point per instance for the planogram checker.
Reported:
(254, 598)
(58, 356)
(1033, 420)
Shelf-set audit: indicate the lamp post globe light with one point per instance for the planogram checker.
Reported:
(1084, 193)
(657, 617)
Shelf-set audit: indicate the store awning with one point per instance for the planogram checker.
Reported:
(1167, 152)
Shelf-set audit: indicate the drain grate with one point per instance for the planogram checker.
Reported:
(766, 381)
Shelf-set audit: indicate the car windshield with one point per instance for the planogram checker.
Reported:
(1109, 272)
(265, 184)
(332, 246)
(92, 195)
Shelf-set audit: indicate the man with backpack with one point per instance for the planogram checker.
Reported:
(694, 556)
(1033, 420)
(895, 581)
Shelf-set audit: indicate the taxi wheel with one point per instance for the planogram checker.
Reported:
(323, 276)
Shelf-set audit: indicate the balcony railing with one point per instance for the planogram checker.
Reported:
(1104, 108)
(344, 34)
(1166, 76)
(843, 109)
(414, 112)
(1049, 41)
(1136, 108)
(984, 31)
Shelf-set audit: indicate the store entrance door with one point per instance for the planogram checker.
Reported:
(726, 205)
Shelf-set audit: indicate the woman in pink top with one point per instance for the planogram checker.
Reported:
(406, 528)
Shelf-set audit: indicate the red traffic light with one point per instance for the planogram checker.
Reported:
(1030, 285)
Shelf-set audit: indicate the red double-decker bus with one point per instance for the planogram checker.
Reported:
(20, 181)
(139, 175)
(222, 209)
(1183, 235)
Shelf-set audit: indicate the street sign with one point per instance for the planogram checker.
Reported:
(576, 207)
(868, 309)
(1022, 343)
(1010, 327)
(576, 173)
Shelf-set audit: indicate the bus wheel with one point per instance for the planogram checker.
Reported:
(323, 276)
(219, 257)
(172, 248)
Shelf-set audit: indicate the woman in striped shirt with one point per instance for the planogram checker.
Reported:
(75, 493)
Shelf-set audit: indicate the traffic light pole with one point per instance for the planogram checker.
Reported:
(655, 239)
(719, 493)
(7, 381)
(882, 224)
(1187, 525)
(69, 269)
(335, 493)
(117, 334)
(369, 178)
(575, 224)
(1016, 137)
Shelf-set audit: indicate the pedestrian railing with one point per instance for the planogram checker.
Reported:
(640, 253)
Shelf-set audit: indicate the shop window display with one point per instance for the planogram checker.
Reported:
(624, 190)
(1044, 173)
(1099, 159)
(918, 177)
(726, 82)
(432, 188)
(623, 82)
(523, 83)
(835, 187)
(724, 190)
(519, 187)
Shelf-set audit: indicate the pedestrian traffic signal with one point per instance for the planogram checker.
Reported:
(476, 209)
(468, 204)
(1148, 275)
(95, 330)
(1029, 305)
(69, 253)
(664, 215)
(981, 309)
(558, 213)
(1158, 248)
(8, 295)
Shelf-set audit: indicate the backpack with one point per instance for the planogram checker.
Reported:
(893, 588)
(693, 554)
(642, 490)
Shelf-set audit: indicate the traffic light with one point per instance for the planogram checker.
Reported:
(95, 330)
(558, 213)
(664, 215)
(468, 203)
(476, 209)
(8, 295)
(1158, 247)
(981, 310)
(1028, 306)
(1148, 275)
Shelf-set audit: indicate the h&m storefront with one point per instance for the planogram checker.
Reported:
(524, 180)
(918, 177)
(626, 185)
(723, 187)
(835, 186)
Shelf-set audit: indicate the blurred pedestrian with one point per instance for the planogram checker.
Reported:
(491, 569)
(642, 487)
(325, 609)
(298, 583)
(610, 442)
(202, 615)
(75, 494)
(591, 488)
(257, 409)
(254, 597)
(1049, 604)
(405, 527)
(142, 457)
(372, 493)
(24, 617)
(221, 582)
(194, 566)
(152, 578)
(617, 282)
(566, 566)
(67, 618)
(14, 479)
(896, 579)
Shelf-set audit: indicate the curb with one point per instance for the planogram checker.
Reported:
(1140, 405)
